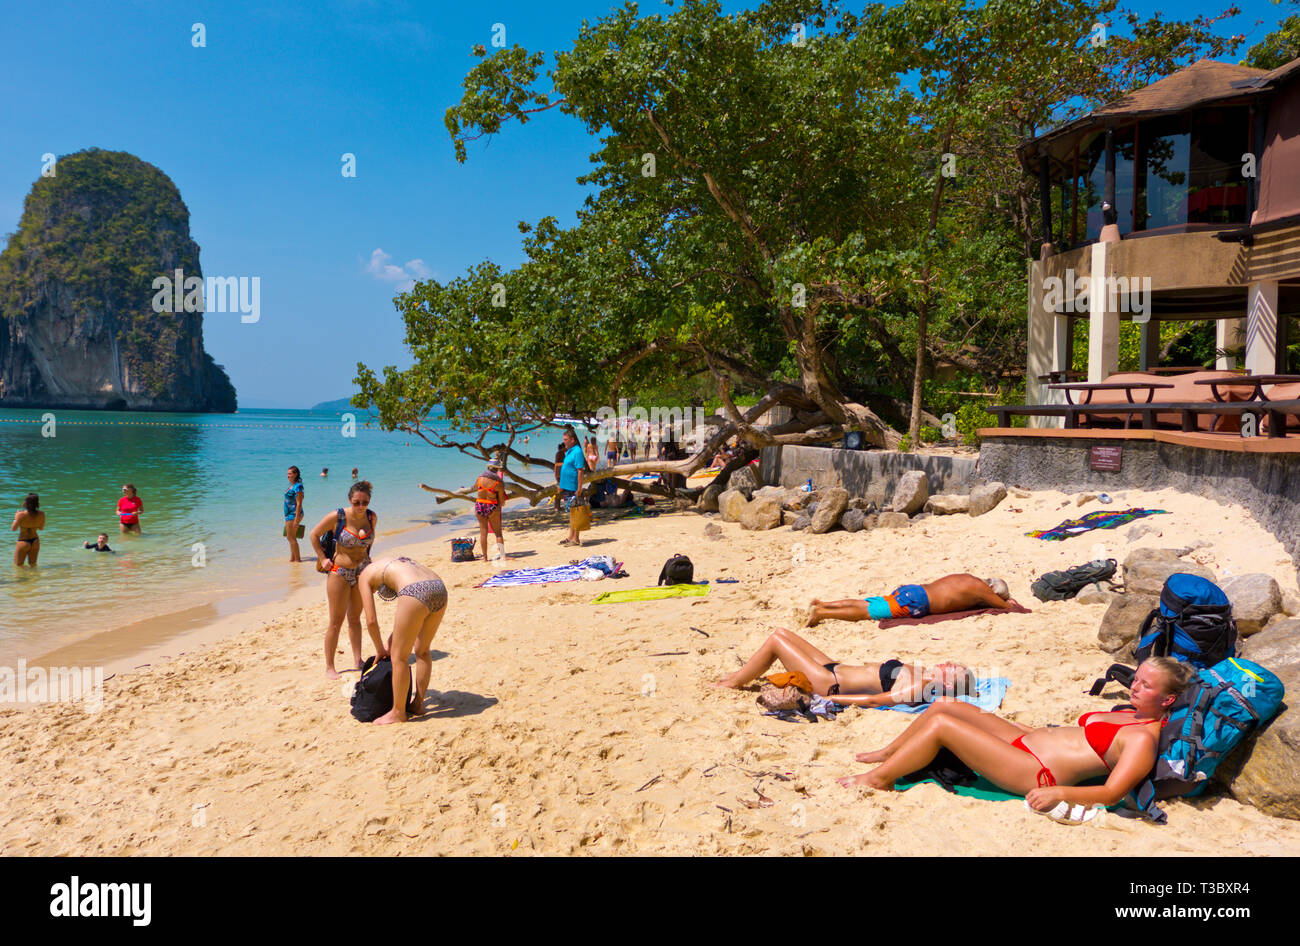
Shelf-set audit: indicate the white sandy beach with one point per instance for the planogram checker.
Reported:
(563, 727)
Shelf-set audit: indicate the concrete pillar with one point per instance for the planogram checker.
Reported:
(1042, 337)
(1103, 324)
(1261, 328)
(1228, 333)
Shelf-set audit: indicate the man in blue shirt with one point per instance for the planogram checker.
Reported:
(572, 471)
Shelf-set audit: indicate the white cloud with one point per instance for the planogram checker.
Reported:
(380, 267)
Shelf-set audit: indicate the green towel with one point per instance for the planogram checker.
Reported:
(651, 594)
(982, 788)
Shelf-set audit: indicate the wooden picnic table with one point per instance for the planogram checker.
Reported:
(1128, 387)
(1189, 411)
(1254, 381)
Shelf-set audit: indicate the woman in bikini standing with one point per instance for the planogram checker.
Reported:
(421, 603)
(26, 521)
(882, 684)
(1045, 765)
(351, 554)
(490, 493)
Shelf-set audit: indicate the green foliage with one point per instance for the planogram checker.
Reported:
(971, 416)
(765, 213)
(931, 434)
(905, 444)
(1278, 47)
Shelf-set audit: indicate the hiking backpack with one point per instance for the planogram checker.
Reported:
(1221, 706)
(1193, 623)
(372, 696)
(1058, 586)
(678, 570)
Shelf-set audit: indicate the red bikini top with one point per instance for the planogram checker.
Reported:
(1100, 735)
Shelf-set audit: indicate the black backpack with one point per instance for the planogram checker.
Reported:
(678, 570)
(372, 696)
(1193, 623)
(328, 540)
(1058, 586)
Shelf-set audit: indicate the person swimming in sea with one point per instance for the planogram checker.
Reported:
(880, 684)
(100, 544)
(421, 600)
(941, 596)
(27, 520)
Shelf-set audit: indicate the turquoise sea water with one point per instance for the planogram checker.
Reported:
(212, 479)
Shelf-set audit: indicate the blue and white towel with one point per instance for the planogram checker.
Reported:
(546, 576)
(988, 696)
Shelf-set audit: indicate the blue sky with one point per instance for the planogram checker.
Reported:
(252, 128)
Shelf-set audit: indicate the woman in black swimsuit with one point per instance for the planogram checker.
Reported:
(26, 521)
(879, 684)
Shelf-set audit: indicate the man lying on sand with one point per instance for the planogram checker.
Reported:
(947, 594)
(882, 684)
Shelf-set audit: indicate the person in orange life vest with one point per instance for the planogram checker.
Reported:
(490, 491)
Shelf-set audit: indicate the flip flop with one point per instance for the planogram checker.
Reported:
(1065, 813)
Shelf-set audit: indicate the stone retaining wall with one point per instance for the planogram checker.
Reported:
(860, 470)
(1267, 484)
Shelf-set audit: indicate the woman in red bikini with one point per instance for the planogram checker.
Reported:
(1045, 764)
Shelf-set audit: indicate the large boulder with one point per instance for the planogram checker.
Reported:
(892, 520)
(797, 499)
(1145, 570)
(777, 491)
(1094, 594)
(985, 497)
(745, 480)
(863, 504)
(877, 492)
(803, 522)
(731, 505)
(852, 520)
(1121, 623)
(947, 505)
(1255, 598)
(912, 491)
(830, 507)
(1265, 770)
(763, 513)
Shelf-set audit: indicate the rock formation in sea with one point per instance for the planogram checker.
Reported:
(78, 326)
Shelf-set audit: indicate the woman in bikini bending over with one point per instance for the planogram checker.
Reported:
(421, 603)
(879, 684)
(353, 538)
(1043, 764)
(26, 521)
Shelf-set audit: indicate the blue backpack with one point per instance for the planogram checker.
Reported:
(1193, 623)
(1216, 711)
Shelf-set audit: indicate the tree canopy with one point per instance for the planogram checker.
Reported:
(804, 205)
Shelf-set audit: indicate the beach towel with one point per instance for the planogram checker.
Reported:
(1104, 519)
(988, 696)
(651, 594)
(543, 576)
(982, 788)
(887, 623)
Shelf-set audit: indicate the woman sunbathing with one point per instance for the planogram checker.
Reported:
(1043, 764)
(880, 684)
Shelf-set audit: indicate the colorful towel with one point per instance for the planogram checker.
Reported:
(1103, 519)
(651, 594)
(988, 696)
(541, 576)
(950, 616)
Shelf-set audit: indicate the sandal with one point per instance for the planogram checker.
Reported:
(1065, 813)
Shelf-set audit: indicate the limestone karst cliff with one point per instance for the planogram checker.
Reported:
(77, 322)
